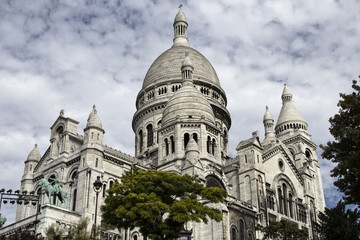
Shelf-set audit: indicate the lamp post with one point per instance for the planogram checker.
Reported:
(97, 185)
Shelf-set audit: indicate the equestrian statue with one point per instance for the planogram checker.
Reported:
(53, 188)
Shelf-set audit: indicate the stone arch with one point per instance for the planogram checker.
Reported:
(214, 181)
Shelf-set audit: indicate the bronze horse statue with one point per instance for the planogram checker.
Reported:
(53, 188)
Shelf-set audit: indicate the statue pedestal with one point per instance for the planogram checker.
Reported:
(51, 214)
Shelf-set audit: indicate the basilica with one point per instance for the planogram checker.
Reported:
(181, 124)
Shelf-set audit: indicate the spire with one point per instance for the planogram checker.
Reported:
(187, 70)
(269, 128)
(180, 29)
(286, 95)
(289, 117)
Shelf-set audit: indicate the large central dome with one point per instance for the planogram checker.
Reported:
(167, 66)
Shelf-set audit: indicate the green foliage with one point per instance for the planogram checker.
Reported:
(338, 223)
(345, 150)
(159, 203)
(80, 232)
(54, 232)
(283, 230)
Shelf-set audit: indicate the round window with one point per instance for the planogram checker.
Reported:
(281, 165)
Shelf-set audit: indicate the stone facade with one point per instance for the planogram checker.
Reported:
(181, 124)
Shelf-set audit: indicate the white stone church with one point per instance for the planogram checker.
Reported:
(181, 125)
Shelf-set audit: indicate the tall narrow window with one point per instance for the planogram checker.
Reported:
(74, 200)
(96, 162)
(104, 190)
(186, 139)
(291, 205)
(150, 135)
(208, 143)
(285, 199)
(280, 202)
(111, 184)
(166, 147)
(213, 145)
(233, 234)
(141, 140)
(40, 199)
(242, 230)
(172, 144)
(195, 137)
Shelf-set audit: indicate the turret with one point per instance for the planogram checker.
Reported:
(268, 121)
(94, 132)
(31, 161)
(289, 120)
(180, 29)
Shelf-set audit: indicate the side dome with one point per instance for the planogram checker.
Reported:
(167, 67)
(187, 103)
(94, 120)
(34, 154)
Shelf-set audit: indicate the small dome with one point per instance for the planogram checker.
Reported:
(267, 115)
(187, 103)
(34, 154)
(94, 120)
(187, 62)
(180, 16)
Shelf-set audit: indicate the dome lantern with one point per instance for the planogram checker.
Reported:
(180, 29)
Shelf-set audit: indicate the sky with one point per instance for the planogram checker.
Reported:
(71, 54)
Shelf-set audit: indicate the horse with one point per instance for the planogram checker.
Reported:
(54, 190)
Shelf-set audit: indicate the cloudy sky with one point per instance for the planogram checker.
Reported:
(72, 54)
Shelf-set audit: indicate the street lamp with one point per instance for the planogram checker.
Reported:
(97, 185)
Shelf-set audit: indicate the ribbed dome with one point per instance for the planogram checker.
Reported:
(94, 120)
(187, 103)
(168, 67)
(34, 154)
(289, 113)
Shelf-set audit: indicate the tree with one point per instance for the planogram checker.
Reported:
(338, 223)
(159, 203)
(283, 230)
(345, 149)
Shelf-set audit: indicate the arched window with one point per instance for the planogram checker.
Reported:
(208, 144)
(285, 199)
(280, 201)
(150, 135)
(213, 145)
(172, 142)
(104, 190)
(39, 193)
(111, 184)
(195, 137)
(247, 186)
(135, 237)
(233, 233)
(141, 140)
(74, 178)
(166, 147)
(291, 205)
(242, 230)
(186, 139)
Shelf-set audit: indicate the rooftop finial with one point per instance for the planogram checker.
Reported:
(36, 145)
(94, 108)
(180, 6)
(62, 112)
(267, 108)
